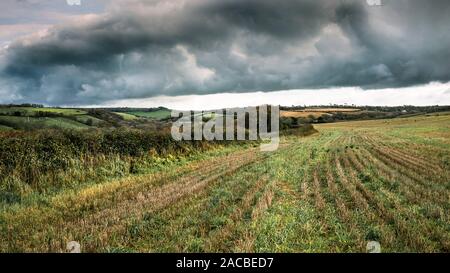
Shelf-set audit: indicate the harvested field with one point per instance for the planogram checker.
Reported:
(353, 182)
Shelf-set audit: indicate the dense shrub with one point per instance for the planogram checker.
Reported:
(39, 158)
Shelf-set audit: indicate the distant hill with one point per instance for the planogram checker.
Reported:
(35, 116)
(32, 116)
(326, 114)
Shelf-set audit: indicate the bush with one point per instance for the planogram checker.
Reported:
(45, 159)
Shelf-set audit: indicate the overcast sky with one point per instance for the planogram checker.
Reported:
(129, 52)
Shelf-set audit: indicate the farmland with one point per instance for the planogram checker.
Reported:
(32, 111)
(34, 118)
(317, 112)
(302, 114)
(42, 122)
(158, 114)
(24, 118)
(351, 182)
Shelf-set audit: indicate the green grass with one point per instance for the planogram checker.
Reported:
(159, 114)
(31, 111)
(45, 122)
(5, 128)
(127, 116)
(86, 119)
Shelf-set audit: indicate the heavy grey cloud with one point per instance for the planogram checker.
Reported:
(139, 49)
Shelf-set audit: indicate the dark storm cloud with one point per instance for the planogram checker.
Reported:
(146, 48)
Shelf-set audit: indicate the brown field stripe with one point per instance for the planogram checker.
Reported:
(382, 171)
(432, 153)
(155, 199)
(340, 204)
(264, 202)
(438, 233)
(412, 237)
(68, 218)
(165, 195)
(386, 150)
(247, 240)
(401, 162)
(410, 187)
(345, 215)
(161, 201)
(216, 241)
(305, 189)
(388, 237)
(421, 168)
(420, 163)
(319, 202)
(429, 161)
(147, 183)
(351, 189)
(405, 170)
(430, 227)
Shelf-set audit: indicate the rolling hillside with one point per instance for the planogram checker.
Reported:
(30, 118)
